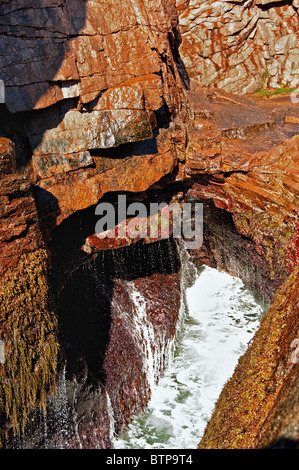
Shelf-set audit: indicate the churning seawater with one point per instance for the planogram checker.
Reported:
(220, 317)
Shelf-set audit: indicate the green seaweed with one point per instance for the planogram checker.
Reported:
(278, 91)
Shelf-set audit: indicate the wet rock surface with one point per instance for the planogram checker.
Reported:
(269, 364)
(240, 47)
(100, 104)
(79, 49)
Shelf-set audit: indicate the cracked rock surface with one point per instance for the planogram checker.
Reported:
(240, 47)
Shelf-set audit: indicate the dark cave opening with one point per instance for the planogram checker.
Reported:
(101, 362)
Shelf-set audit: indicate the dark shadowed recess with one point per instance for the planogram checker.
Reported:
(84, 302)
(83, 286)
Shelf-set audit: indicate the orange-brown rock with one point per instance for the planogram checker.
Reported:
(253, 164)
(122, 114)
(19, 227)
(263, 384)
(95, 104)
(234, 133)
(253, 176)
(93, 75)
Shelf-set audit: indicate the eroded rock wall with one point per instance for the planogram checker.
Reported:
(264, 383)
(79, 77)
(248, 153)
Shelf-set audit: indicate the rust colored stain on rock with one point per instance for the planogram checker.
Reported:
(130, 393)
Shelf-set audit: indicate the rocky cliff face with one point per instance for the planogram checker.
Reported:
(81, 49)
(28, 324)
(249, 152)
(98, 102)
(240, 47)
(88, 77)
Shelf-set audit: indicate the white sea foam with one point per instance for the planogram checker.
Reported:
(221, 318)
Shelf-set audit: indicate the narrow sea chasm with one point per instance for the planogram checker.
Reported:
(220, 317)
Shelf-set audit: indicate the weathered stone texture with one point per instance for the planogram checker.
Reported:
(94, 72)
(19, 226)
(7, 157)
(87, 75)
(70, 48)
(262, 381)
(240, 46)
(95, 98)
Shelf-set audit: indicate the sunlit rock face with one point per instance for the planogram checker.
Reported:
(88, 77)
(96, 103)
(240, 46)
(81, 49)
(270, 354)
